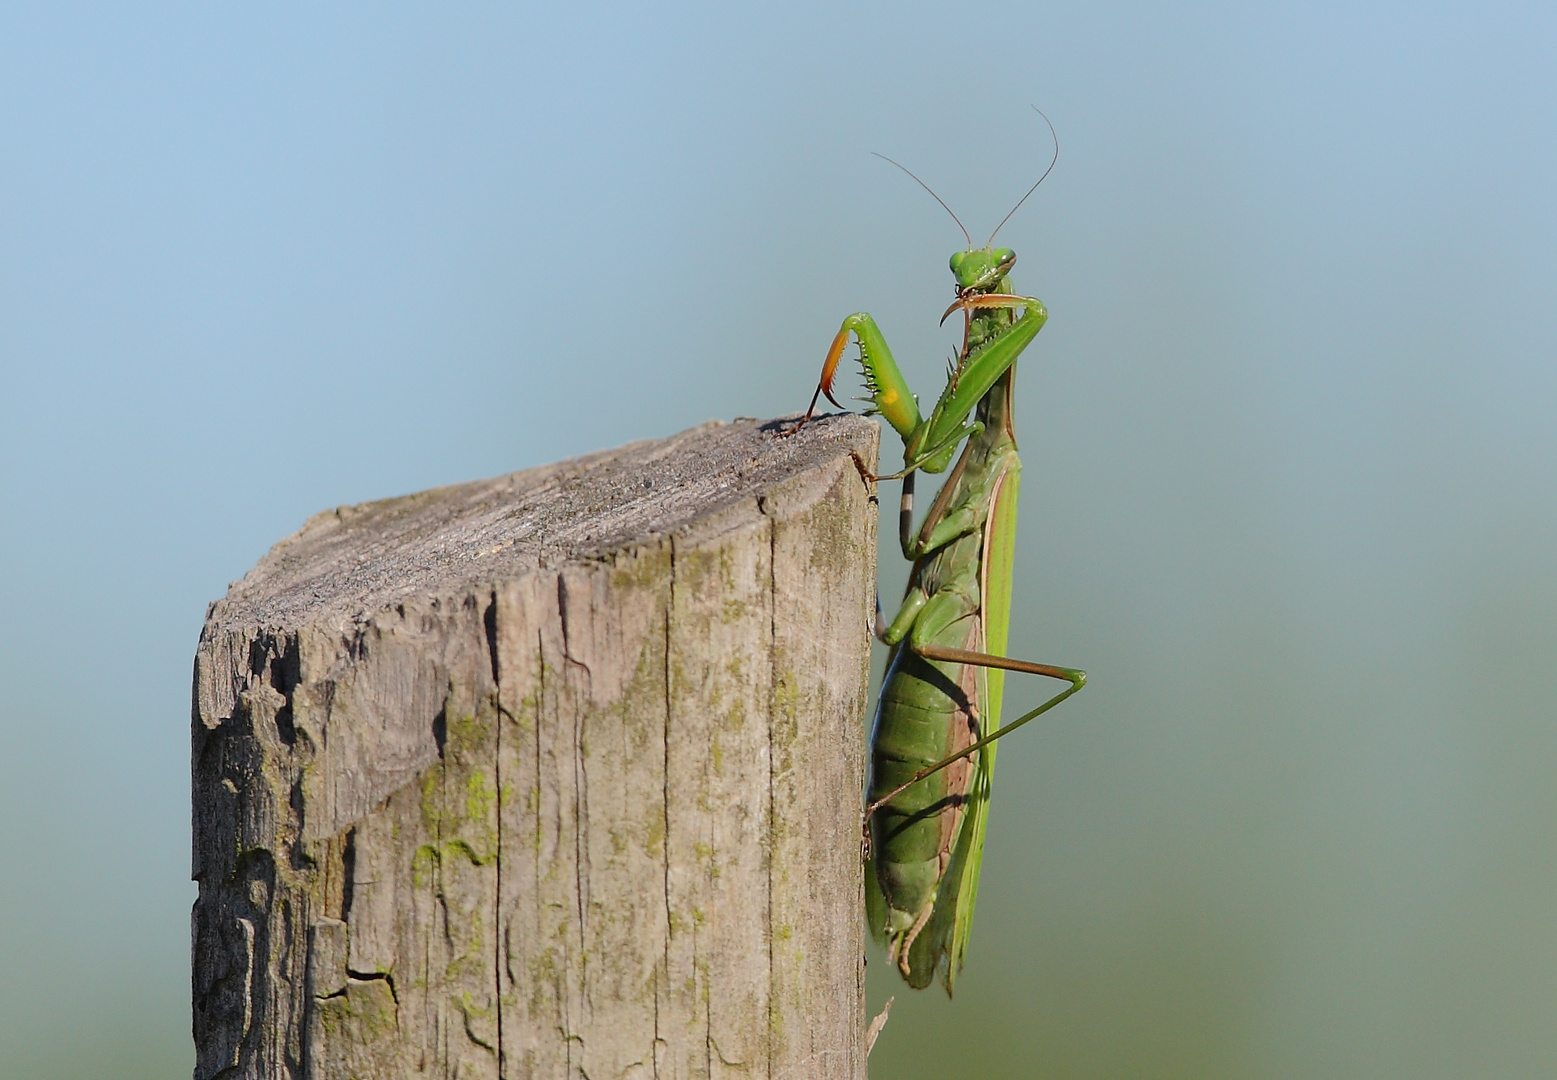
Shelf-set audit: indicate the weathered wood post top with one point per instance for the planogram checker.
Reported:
(556, 774)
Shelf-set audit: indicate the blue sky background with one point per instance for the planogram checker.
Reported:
(1289, 444)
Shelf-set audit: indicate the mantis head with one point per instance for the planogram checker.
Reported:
(981, 270)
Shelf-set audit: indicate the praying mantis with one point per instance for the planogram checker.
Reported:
(932, 753)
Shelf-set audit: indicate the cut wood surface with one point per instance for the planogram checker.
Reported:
(556, 774)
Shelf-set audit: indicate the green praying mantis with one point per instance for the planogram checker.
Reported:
(932, 754)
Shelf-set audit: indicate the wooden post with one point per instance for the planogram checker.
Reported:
(551, 775)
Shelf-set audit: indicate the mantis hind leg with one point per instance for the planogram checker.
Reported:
(1076, 678)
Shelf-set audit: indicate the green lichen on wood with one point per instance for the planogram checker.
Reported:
(461, 814)
(645, 568)
(365, 1011)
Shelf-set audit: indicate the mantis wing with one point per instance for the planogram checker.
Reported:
(999, 554)
(944, 940)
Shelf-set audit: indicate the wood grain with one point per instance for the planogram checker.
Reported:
(556, 774)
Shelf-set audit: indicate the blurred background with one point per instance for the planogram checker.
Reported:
(1291, 465)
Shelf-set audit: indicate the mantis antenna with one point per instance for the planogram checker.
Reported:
(934, 196)
(1030, 190)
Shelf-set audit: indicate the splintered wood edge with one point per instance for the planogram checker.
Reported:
(348, 562)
